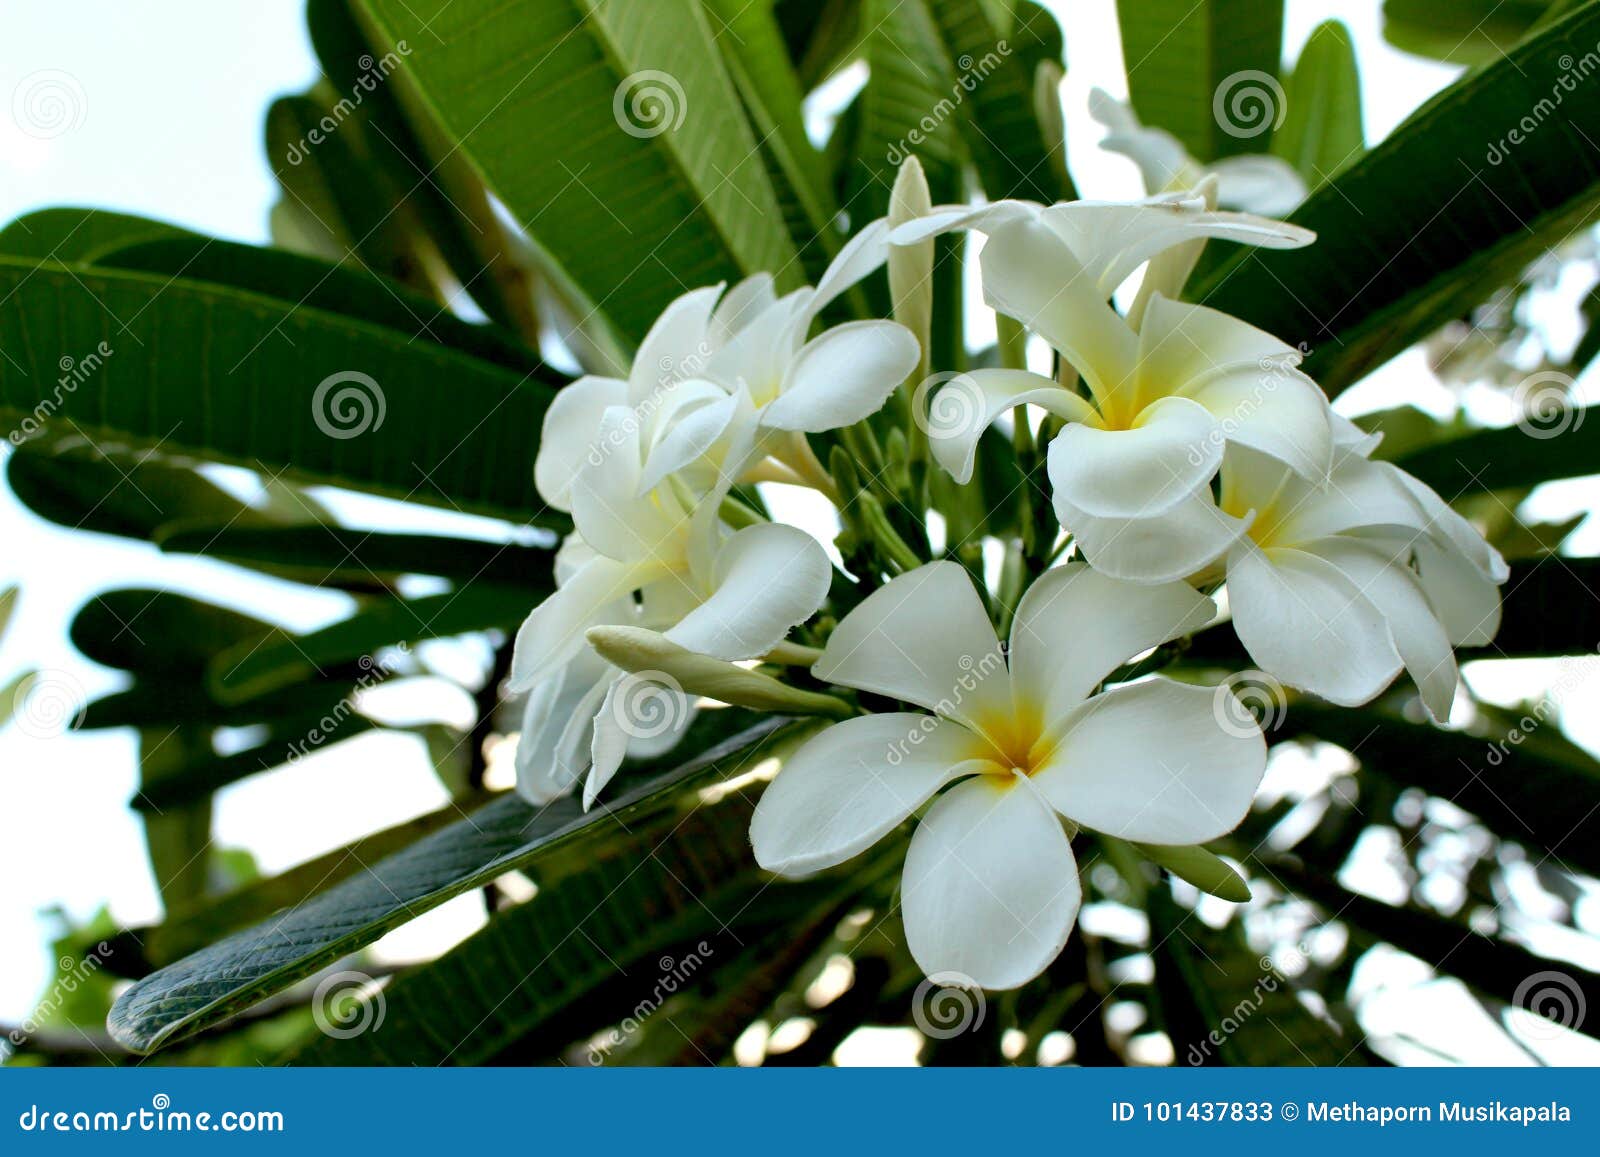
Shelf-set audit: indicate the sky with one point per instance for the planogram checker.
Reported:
(173, 131)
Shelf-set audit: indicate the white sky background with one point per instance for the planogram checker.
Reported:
(173, 131)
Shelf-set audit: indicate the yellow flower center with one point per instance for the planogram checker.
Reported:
(1010, 741)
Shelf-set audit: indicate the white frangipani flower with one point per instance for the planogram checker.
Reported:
(1165, 396)
(991, 888)
(1333, 588)
(1254, 183)
(662, 560)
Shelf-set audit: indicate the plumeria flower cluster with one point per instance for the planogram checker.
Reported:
(1195, 474)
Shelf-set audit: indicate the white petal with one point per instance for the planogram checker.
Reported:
(1259, 183)
(1176, 544)
(608, 509)
(922, 637)
(1466, 600)
(991, 888)
(639, 711)
(554, 632)
(843, 376)
(1180, 345)
(963, 407)
(1153, 762)
(542, 775)
(858, 257)
(851, 785)
(1074, 626)
(1418, 637)
(686, 439)
(1278, 411)
(1305, 623)
(1452, 531)
(1112, 239)
(571, 429)
(746, 301)
(1030, 274)
(948, 218)
(1171, 452)
(675, 348)
(769, 578)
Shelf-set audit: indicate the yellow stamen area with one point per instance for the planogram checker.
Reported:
(1010, 742)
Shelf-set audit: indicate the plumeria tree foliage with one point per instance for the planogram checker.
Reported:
(834, 672)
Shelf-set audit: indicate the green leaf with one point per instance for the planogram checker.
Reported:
(334, 288)
(1459, 31)
(1205, 870)
(80, 236)
(189, 928)
(82, 488)
(1491, 965)
(256, 667)
(624, 219)
(156, 703)
(1190, 66)
(320, 554)
(505, 836)
(160, 633)
(1321, 132)
(1432, 219)
(231, 376)
(1560, 444)
(602, 946)
(1221, 1003)
(1529, 785)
